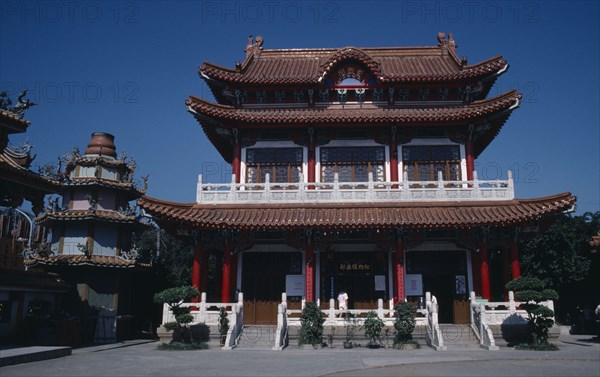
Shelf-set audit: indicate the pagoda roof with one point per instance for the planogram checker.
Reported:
(103, 182)
(12, 123)
(308, 66)
(495, 110)
(79, 215)
(84, 260)
(359, 215)
(15, 171)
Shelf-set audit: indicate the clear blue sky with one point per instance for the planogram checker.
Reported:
(126, 68)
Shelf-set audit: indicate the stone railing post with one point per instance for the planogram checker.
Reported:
(336, 186)
(471, 306)
(476, 192)
(166, 314)
(380, 308)
(302, 303)
(301, 187)
(232, 190)
(512, 307)
(203, 307)
(370, 187)
(511, 186)
(440, 186)
(267, 190)
(331, 309)
(199, 189)
(391, 302)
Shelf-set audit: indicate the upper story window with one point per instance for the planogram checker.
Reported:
(282, 164)
(352, 164)
(423, 162)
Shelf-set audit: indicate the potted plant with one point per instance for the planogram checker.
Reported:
(373, 326)
(404, 325)
(223, 325)
(350, 324)
(311, 325)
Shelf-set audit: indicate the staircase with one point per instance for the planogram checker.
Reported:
(257, 337)
(459, 336)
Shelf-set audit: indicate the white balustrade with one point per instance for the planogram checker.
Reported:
(370, 191)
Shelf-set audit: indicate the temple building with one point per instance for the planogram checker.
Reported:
(91, 242)
(353, 169)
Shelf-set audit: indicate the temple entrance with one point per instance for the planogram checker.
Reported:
(354, 273)
(444, 274)
(263, 281)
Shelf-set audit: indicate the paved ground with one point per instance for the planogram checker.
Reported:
(578, 356)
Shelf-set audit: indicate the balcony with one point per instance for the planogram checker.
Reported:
(355, 192)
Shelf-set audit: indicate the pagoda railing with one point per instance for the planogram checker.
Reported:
(357, 192)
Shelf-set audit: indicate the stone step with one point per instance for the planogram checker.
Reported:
(459, 336)
(258, 337)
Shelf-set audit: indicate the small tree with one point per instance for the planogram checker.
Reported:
(373, 326)
(223, 325)
(311, 320)
(405, 321)
(531, 291)
(174, 297)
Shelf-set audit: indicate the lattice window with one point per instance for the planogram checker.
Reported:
(282, 164)
(353, 164)
(423, 162)
(404, 93)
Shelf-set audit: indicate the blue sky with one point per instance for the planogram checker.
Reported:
(126, 68)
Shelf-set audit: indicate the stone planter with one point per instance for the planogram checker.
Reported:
(406, 346)
(348, 345)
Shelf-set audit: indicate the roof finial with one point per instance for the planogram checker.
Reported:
(253, 48)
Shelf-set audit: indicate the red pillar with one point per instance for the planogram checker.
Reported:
(485, 272)
(226, 275)
(236, 161)
(470, 159)
(398, 273)
(393, 159)
(514, 260)
(310, 272)
(197, 269)
(310, 176)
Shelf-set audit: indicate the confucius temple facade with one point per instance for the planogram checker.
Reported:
(353, 169)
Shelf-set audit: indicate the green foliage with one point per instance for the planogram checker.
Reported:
(373, 326)
(537, 347)
(351, 325)
(179, 346)
(311, 324)
(173, 261)
(174, 297)
(561, 255)
(405, 321)
(223, 322)
(531, 291)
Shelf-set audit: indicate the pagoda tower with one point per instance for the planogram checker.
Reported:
(91, 243)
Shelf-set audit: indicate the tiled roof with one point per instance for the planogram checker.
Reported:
(341, 216)
(339, 116)
(77, 215)
(84, 260)
(89, 181)
(31, 280)
(12, 123)
(389, 65)
(12, 171)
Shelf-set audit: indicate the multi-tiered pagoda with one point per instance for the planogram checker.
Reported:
(353, 168)
(91, 245)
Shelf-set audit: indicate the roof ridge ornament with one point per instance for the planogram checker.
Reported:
(254, 48)
(447, 43)
(22, 104)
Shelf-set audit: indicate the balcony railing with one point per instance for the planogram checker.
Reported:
(355, 192)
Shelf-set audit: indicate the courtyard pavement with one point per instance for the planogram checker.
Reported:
(579, 355)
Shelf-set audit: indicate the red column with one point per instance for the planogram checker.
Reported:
(197, 269)
(310, 176)
(236, 161)
(470, 159)
(398, 273)
(226, 275)
(393, 159)
(310, 273)
(514, 260)
(485, 272)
